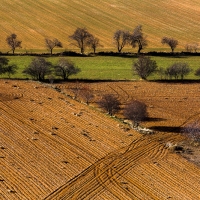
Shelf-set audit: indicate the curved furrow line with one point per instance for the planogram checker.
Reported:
(119, 165)
(128, 96)
(119, 173)
(114, 91)
(158, 153)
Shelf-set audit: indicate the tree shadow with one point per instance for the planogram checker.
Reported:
(170, 129)
(154, 119)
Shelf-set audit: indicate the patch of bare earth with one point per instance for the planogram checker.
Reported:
(54, 147)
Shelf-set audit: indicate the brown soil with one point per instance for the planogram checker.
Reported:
(54, 147)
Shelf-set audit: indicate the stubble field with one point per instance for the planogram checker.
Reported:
(54, 147)
(33, 20)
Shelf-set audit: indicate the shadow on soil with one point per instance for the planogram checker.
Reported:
(170, 129)
(154, 119)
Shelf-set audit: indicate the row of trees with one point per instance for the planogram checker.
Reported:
(83, 39)
(135, 111)
(39, 68)
(145, 66)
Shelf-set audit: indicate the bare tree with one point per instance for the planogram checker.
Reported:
(11, 69)
(178, 69)
(87, 94)
(110, 103)
(170, 41)
(138, 38)
(76, 89)
(135, 111)
(144, 67)
(192, 130)
(66, 68)
(94, 42)
(12, 42)
(121, 39)
(197, 72)
(191, 47)
(3, 63)
(82, 38)
(38, 68)
(52, 43)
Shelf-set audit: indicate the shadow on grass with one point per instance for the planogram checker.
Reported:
(170, 129)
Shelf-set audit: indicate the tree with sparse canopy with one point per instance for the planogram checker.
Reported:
(13, 42)
(135, 111)
(197, 72)
(192, 130)
(66, 68)
(7, 69)
(170, 41)
(137, 38)
(52, 43)
(94, 42)
(178, 69)
(82, 38)
(144, 67)
(11, 69)
(3, 63)
(87, 94)
(110, 103)
(38, 68)
(121, 39)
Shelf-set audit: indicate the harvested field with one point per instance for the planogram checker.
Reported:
(54, 147)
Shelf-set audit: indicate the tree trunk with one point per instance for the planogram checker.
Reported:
(82, 50)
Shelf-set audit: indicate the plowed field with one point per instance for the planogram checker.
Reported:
(53, 147)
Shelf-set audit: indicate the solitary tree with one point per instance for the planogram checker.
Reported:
(66, 68)
(170, 41)
(110, 103)
(144, 67)
(87, 94)
(12, 42)
(138, 39)
(135, 111)
(121, 39)
(82, 38)
(38, 68)
(52, 43)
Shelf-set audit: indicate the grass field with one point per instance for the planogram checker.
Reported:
(107, 67)
(33, 20)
